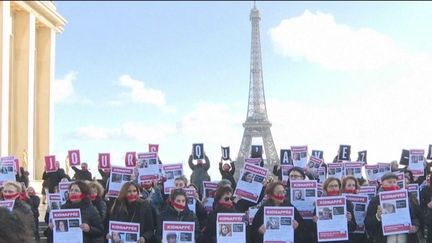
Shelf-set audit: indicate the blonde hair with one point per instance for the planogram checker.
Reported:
(96, 185)
(15, 184)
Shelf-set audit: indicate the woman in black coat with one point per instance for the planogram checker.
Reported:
(91, 222)
(223, 204)
(276, 197)
(177, 210)
(96, 196)
(227, 172)
(128, 207)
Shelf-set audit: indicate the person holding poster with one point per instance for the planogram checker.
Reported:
(227, 172)
(52, 179)
(199, 171)
(331, 208)
(12, 191)
(426, 204)
(83, 174)
(91, 222)
(275, 193)
(177, 210)
(374, 220)
(223, 204)
(128, 207)
(97, 199)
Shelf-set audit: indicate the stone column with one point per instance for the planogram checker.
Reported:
(22, 88)
(5, 32)
(45, 46)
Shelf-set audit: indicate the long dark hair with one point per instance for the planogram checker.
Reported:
(120, 202)
(84, 188)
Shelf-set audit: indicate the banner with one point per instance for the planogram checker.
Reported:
(225, 153)
(123, 232)
(198, 150)
(74, 157)
(332, 222)
(251, 182)
(209, 191)
(230, 227)
(171, 172)
(335, 170)
(369, 191)
(279, 224)
(360, 203)
(50, 164)
(130, 159)
(118, 176)
(303, 197)
(104, 160)
(67, 226)
(416, 162)
(285, 157)
(178, 232)
(353, 169)
(9, 204)
(64, 191)
(395, 218)
(153, 148)
(299, 156)
(54, 201)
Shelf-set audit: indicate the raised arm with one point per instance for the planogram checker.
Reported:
(232, 167)
(207, 163)
(191, 165)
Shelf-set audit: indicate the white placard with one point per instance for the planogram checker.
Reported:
(118, 177)
(67, 226)
(395, 218)
(171, 172)
(251, 181)
(182, 232)
(299, 156)
(360, 203)
(332, 222)
(123, 232)
(230, 227)
(303, 197)
(279, 224)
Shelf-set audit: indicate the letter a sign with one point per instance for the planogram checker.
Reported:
(50, 163)
(104, 160)
(198, 150)
(130, 159)
(74, 157)
(285, 157)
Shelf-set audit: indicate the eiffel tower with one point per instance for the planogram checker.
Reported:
(257, 123)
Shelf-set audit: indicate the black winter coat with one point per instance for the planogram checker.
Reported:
(52, 179)
(83, 175)
(90, 216)
(170, 214)
(228, 175)
(209, 232)
(259, 220)
(101, 206)
(199, 173)
(137, 212)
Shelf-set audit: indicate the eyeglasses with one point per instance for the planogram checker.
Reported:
(226, 199)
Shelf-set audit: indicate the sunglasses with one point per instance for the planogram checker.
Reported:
(226, 199)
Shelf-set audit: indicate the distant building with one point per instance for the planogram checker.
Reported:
(27, 56)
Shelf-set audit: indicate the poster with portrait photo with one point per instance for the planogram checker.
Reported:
(230, 227)
(279, 224)
(7, 169)
(335, 170)
(303, 196)
(123, 232)
(414, 191)
(395, 218)
(299, 156)
(54, 201)
(313, 165)
(322, 174)
(369, 191)
(319, 189)
(171, 172)
(285, 172)
(251, 182)
(372, 172)
(178, 232)
(209, 191)
(66, 226)
(383, 168)
(331, 224)
(360, 203)
(416, 162)
(400, 180)
(118, 176)
(353, 169)
(64, 191)
(148, 164)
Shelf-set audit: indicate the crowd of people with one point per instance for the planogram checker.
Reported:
(148, 205)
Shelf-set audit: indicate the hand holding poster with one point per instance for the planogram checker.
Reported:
(198, 150)
(118, 176)
(303, 196)
(332, 222)
(251, 183)
(74, 157)
(123, 232)
(299, 156)
(130, 159)
(395, 218)
(360, 203)
(416, 162)
(279, 224)
(67, 226)
(171, 172)
(104, 160)
(50, 164)
(230, 227)
(178, 232)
